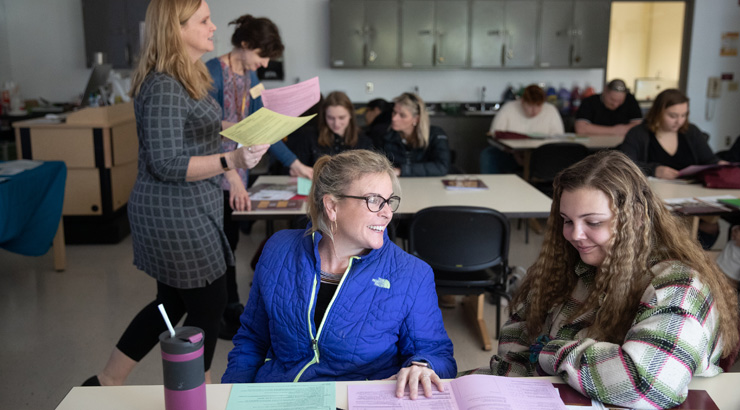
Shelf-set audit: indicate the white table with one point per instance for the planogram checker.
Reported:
(506, 193)
(723, 389)
(527, 145)
(666, 189)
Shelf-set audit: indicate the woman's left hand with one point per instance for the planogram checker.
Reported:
(297, 169)
(413, 376)
(239, 198)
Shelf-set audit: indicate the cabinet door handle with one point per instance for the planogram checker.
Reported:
(493, 32)
(425, 32)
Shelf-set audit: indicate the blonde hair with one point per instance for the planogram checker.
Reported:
(326, 135)
(416, 106)
(333, 175)
(164, 50)
(644, 232)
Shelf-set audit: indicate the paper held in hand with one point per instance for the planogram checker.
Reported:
(264, 127)
(277, 118)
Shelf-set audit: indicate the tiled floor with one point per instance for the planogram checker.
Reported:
(59, 328)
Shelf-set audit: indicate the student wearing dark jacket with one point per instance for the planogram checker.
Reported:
(666, 142)
(337, 131)
(415, 148)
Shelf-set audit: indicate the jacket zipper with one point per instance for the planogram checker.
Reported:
(315, 341)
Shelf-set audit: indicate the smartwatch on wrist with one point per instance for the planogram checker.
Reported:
(224, 164)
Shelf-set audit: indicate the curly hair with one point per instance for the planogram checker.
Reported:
(643, 233)
(257, 33)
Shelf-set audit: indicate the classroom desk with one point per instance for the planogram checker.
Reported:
(527, 145)
(722, 389)
(666, 189)
(506, 193)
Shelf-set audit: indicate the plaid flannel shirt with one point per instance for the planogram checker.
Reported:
(673, 337)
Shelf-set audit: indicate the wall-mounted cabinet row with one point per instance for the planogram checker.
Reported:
(469, 33)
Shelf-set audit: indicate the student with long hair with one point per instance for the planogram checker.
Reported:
(414, 147)
(175, 206)
(337, 131)
(621, 303)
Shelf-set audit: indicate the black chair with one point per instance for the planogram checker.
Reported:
(468, 249)
(549, 159)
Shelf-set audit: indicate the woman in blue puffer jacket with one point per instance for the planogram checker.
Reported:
(340, 301)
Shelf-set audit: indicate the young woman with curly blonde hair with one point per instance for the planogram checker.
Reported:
(621, 303)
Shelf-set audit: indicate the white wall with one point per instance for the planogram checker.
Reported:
(4, 51)
(711, 19)
(47, 55)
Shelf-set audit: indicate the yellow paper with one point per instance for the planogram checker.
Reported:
(264, 127)
(256, 91)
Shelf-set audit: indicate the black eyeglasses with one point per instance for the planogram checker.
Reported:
(376, 202)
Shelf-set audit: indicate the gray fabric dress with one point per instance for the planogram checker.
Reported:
(176, 226)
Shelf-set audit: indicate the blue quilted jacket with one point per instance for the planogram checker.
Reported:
(384, 315)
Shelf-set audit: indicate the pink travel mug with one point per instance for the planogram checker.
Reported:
(182, 365)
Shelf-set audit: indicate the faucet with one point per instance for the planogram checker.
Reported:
(483, 98)
(416, 89)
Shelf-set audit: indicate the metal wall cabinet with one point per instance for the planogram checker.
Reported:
(364, 33)
(503, 34)
(574, 33)
(591, 19)
(112, 27)
(434, 33)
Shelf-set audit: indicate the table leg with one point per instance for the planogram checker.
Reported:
(527, 153)
(58, 247)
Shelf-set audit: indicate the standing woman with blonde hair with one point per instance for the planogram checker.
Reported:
(415, 148)
(621, 303)
(175, 208)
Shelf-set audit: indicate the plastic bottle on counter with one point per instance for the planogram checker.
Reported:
(564, 100)
(551, 95)
(509, 94)
(589, 91)
(520, 92)
(575, 100)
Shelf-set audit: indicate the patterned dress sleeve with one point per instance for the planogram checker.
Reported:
(673, 337)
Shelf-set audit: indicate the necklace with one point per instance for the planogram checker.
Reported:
(240, 107)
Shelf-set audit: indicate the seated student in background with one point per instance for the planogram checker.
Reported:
(729, 259)
(337, 131)
(612, 112)
(343, 292)
(414, 147)
(621, 303)
(530, 114)
(666, 142)
(377, 116)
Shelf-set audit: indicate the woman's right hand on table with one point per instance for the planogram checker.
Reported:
(248, 157)
(664, 172)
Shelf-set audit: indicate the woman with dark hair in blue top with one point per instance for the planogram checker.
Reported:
(255, 41)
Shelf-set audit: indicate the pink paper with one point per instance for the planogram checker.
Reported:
(292, 100)
(467, 392)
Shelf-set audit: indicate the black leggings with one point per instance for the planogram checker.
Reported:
(204, 307)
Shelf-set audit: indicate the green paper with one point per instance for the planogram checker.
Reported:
(279, 396)
(304, 186)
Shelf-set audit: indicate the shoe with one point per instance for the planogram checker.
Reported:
(230, 321)
(92, 381)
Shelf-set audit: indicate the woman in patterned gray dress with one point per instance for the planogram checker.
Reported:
(175, 208)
